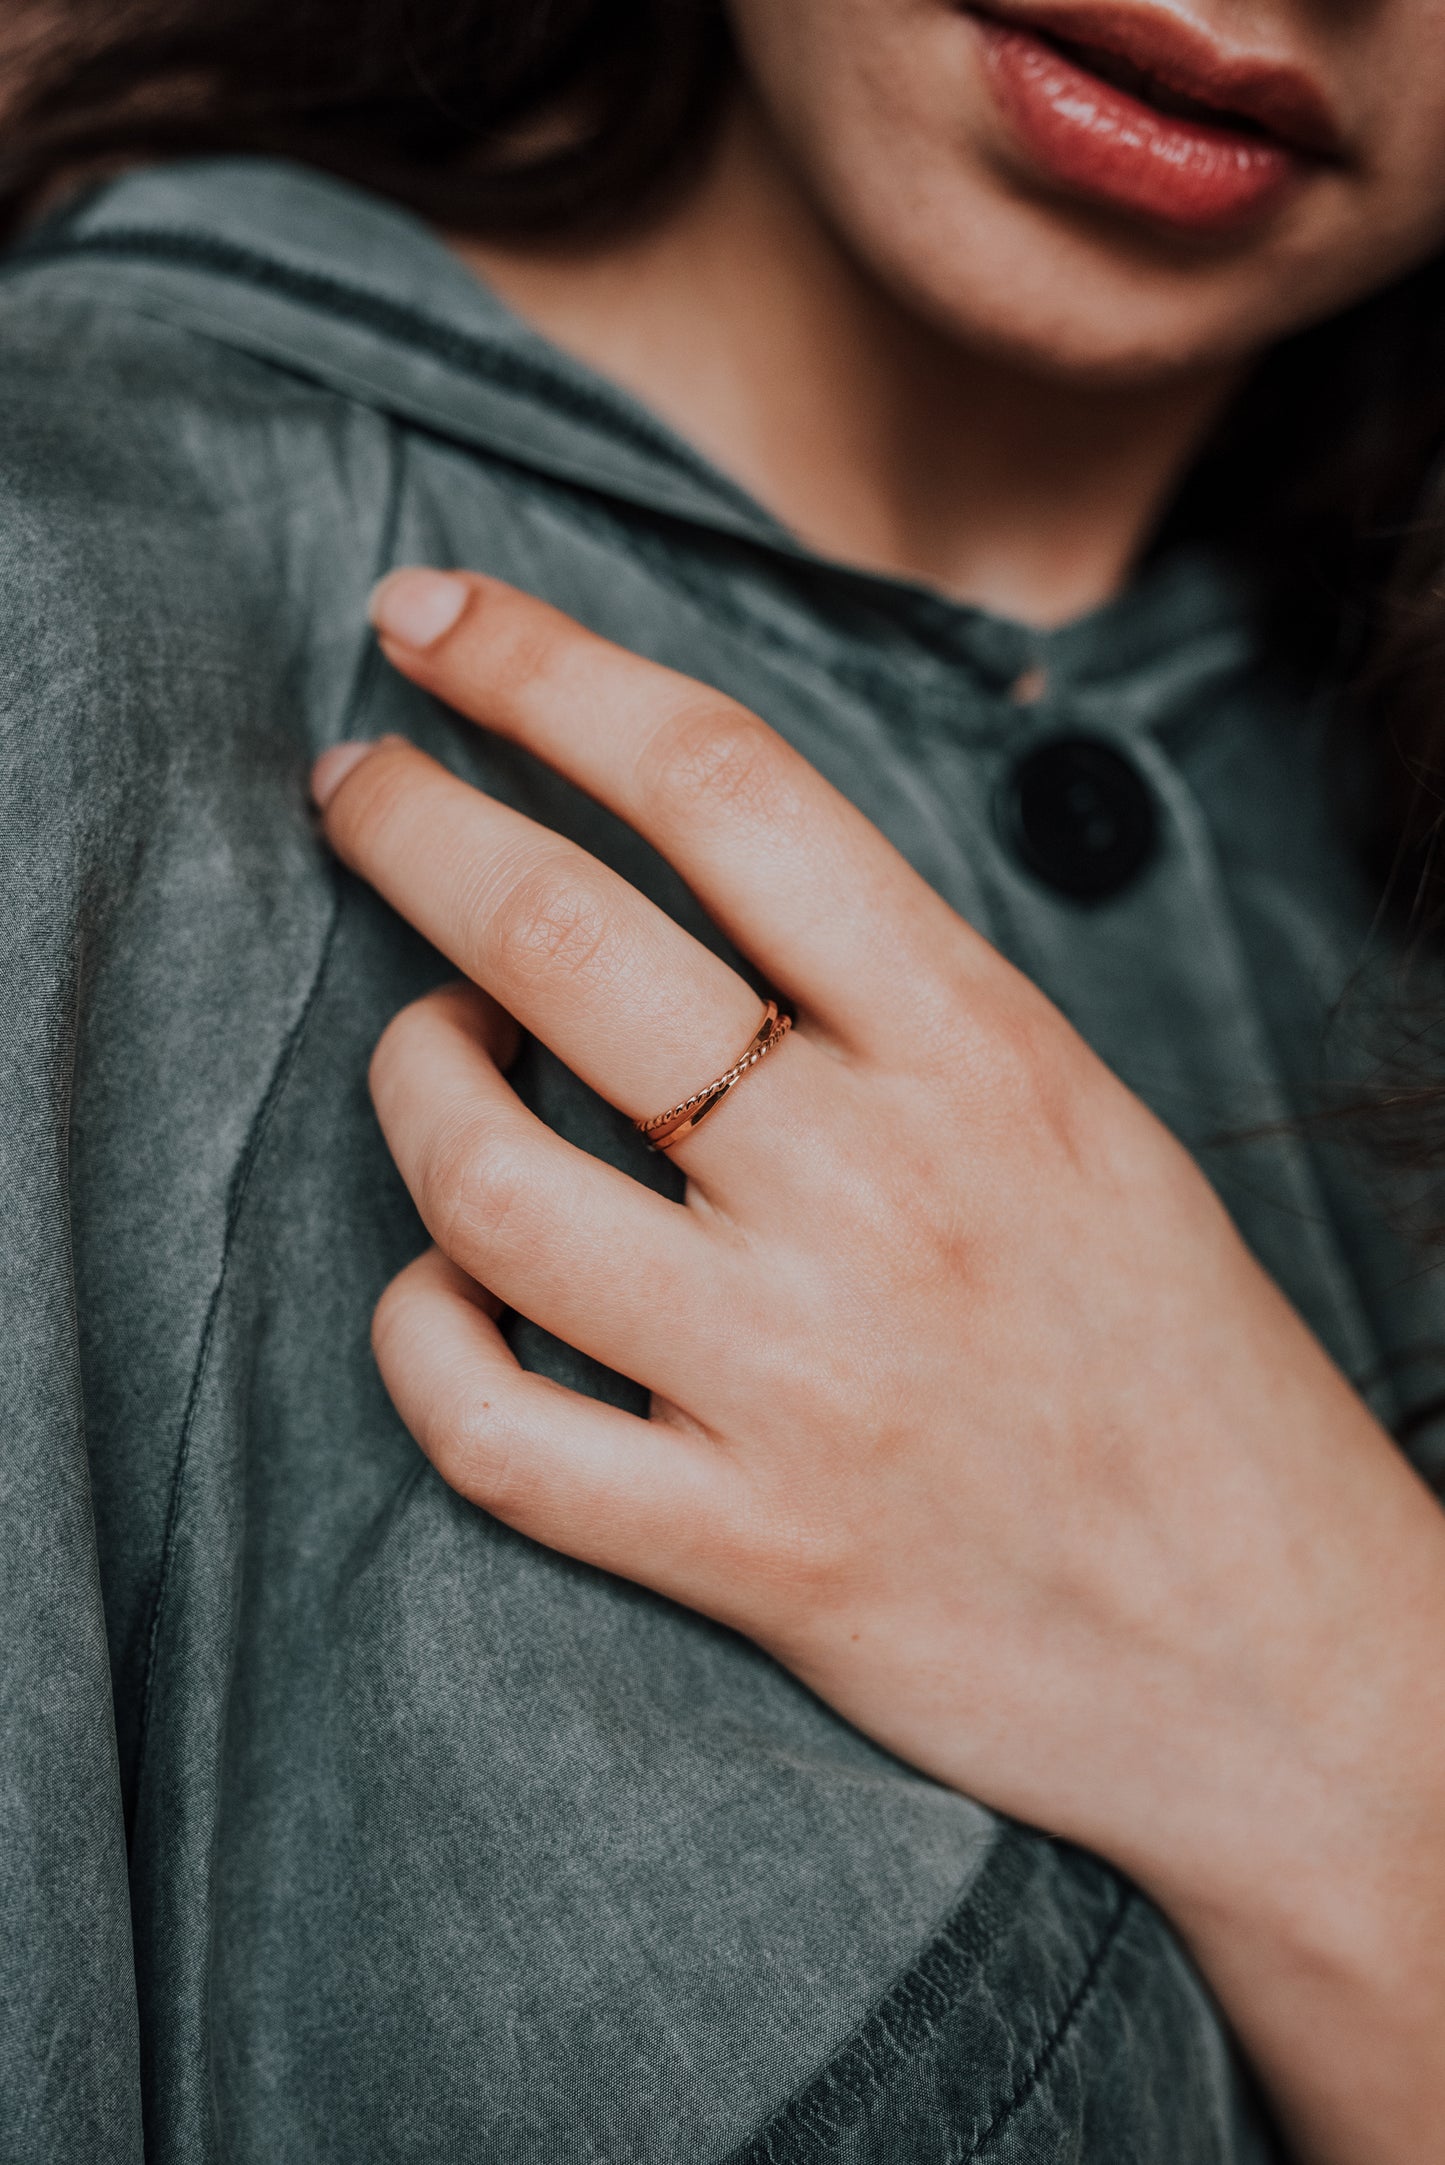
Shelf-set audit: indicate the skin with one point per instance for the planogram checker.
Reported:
(1181, 1600)
(922, 356)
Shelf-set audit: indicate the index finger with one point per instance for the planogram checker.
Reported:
(783, 863)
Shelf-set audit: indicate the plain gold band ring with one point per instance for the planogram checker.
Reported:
(665, 1129)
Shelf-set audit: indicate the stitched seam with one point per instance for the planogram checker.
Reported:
(362, 675)
(928, 617)
(924, 685)
(396, 318)
(923, 679)
(240, 1180)
(511, 372)
(368, 660)
(1037, 2071)
(903, 2020)
(923, 670)
(913, 2010)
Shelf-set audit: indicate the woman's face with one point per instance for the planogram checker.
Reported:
(1114, 189)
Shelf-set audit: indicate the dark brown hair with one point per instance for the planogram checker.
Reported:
(449, 106)
(555, 117)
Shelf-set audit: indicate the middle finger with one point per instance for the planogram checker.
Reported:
(634, 1005)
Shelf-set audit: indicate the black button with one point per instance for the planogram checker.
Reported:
(1080, 816)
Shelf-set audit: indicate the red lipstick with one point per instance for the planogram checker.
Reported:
(1143, 111)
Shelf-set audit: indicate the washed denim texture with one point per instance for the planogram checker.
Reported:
(337, 1822)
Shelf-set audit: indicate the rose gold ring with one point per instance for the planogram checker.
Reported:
(665, 1129)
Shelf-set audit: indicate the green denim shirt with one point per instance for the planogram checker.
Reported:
(336, 1820)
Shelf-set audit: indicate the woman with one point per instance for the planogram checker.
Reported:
(974, 442)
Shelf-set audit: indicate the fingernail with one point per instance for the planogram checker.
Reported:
(331, 770)
(417, 607)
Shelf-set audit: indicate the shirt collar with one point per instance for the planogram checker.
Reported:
(287, 264)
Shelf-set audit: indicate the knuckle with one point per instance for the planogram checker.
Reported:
(446, 1445)
(1034, 1097)
(803, 1554)
(1033, 1080)
(797, 1561)
(407, 1046)
(1016, 1059)
(474, 1190)
(363, 814)
(526, 652)
(477, 1452)
(712, 757)
(947, 1024)
(1009, 1052)
(467, 1430)
(555, 919)
(393, 1051)
(392, 1319)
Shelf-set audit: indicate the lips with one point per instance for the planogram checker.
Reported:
(1141, 110)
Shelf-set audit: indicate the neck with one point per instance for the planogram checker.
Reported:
(875, 437)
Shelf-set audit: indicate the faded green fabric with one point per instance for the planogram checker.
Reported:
(336, 1821)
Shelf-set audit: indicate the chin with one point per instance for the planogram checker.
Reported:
(1080, 298)
(1013, 242)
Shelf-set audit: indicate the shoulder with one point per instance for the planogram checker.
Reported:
(178, 523)
(186, 542)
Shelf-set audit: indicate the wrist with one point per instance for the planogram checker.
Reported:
(1311, 1889)
(1335, 1985)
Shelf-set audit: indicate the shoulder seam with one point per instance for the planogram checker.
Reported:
(236, 1196)
(366, 664)
(338, 297)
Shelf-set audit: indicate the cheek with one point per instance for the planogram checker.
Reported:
(1392, 57)
(1399, 221)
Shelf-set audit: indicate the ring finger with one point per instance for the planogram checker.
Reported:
(634, 1005)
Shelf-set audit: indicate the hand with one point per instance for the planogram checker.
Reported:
(968, 1403)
